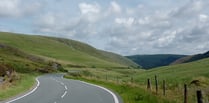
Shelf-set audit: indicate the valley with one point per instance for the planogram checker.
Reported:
(31, 56)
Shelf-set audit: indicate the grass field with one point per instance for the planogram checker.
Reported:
(175, 76)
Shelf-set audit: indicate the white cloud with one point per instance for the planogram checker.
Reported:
(118, 26)
(145, 20)
(126, 21)
(90, 12)
(86, 8)
(130, 11)
(203, 17)
(115, 7)
(48, 20)
(166, 39)
(9, 8)
(18, 8)
(192, 8)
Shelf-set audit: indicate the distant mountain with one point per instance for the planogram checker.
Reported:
(191, 58)
(152, 61)
(69, 52)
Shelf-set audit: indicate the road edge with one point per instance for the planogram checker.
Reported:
(115, 97)
(33, 89)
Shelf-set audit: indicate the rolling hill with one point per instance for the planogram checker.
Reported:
(195, 74)
(22, 62)
(152, 61)
(191, 58)
(65, 51)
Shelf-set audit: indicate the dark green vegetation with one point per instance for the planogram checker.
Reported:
(191, 58)
(69, 52)
(152, 61)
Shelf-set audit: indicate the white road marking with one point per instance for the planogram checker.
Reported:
(114, 96)
(38, 83)
(64, 94)
(65, 87)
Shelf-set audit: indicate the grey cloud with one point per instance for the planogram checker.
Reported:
(18, 8)
(190, 9)
(141, 30)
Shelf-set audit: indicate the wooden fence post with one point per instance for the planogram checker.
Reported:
(185, 93)
(164, 87)
(148, 84)
(199, 97)
(106, 77)
(156, 84)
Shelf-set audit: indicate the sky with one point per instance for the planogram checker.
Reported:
(126, 27)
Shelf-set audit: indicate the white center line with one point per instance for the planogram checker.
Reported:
(64, 94)
(65, 87)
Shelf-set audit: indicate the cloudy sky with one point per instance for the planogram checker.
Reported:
(122, 26)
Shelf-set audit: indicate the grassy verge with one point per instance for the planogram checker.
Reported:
(25, 82)
(136, 81)
(129, 93)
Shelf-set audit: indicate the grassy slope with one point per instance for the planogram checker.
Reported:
(175, 76)
(178, 75)
(191, 58)
(24, 64)
(19, 60)
(152, 61)
(57, 50)
(89, 50)
(182, 73)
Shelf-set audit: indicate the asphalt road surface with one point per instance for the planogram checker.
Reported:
(53, 88)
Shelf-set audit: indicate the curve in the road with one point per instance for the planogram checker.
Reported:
(114, 96)
(34, 89)
(54, 88)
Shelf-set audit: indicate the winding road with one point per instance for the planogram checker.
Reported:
(52, 88)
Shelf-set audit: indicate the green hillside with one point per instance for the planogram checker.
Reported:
(89, 50)
(194, 74)
(153, 61)
(65, 51)
(183, 73)
(23, 62)
(22, 68)
(191, 58)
